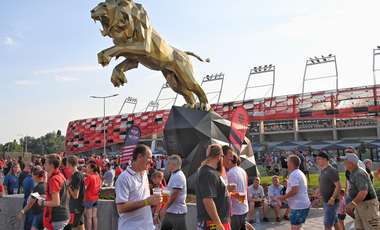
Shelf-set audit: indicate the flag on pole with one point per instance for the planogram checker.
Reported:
(239, 126)
(130, 142)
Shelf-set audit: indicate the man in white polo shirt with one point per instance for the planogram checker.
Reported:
(133, 198)
(175, 210)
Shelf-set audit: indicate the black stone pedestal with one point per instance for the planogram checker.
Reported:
(188, 133)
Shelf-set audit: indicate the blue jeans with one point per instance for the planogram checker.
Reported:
(331, 214)
(28, 217)
(38, 221)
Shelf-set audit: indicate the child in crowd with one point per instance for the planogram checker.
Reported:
(285, 184)
(157, 179)
(342, 209)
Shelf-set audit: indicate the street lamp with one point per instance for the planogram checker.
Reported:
(26, 144)
(104, 118)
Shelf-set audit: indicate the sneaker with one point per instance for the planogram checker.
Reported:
(251, 222)
(265, 219)
(286, 217)
(278, 219)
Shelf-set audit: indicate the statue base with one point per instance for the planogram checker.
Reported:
(189, 132)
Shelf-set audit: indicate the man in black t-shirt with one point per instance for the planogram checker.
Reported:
(284, 165)
(213, 200)
(8, 165)
(24, 174)
(77, 195)
(302, 158)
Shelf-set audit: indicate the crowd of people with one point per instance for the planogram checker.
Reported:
(59, 192)
(62, 193)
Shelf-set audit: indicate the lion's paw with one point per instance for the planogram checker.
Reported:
(118, 78)
(103, 59)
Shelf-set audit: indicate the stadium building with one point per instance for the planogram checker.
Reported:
(329, 120)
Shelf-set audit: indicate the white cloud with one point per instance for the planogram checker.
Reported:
(23, 82)
(9, 41)
(157, 74)
(75, 69)
(65, 79)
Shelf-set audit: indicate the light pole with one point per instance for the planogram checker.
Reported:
(26, 144)
(104, 118)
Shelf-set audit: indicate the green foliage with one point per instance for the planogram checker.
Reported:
(309, 148)
(266, 148)
(52, 142)
(12, 147)
(363, 147)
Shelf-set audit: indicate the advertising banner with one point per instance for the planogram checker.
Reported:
(239, 126)
(130, 142)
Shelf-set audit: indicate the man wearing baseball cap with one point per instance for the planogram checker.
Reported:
(350, 150)
(364, 196)
(329, 188)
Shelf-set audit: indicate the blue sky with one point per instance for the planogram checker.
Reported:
(48, 53)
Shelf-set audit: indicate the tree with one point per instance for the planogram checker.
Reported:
(12, 147)
(266, 148)
(309, 148)
(363, 147)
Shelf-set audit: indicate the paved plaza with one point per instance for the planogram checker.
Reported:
(314, 222)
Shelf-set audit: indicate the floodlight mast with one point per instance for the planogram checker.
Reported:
(316, 61)
(164, 87)
(129, 100)
(213, 78)
(260, 70)
(376, 51)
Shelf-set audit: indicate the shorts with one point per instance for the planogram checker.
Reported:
(285, 171)
(273, 203)
(238, 221)
(92, 204)
(208, 225)
(60, 225)
(298, 216)
(76, 220)
(257, 204)
(331, 214)
(38, 221)
(342, 216)
(366, 215)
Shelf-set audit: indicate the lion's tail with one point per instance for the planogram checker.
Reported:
(195, 55)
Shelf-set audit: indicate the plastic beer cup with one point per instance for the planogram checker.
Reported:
(165, 196)
(241, 197)
(234, 186)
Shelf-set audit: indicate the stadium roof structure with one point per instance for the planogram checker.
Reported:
(357, 102)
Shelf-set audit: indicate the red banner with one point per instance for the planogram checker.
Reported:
(239, 126)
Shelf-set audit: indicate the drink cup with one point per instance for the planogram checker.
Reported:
(242, 196)
(165, 196)
(233, 185)
(106, 185)
(15, 190)
(157, 191)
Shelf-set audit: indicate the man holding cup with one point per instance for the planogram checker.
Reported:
(174, 212)
(239, 177)
(133, 198)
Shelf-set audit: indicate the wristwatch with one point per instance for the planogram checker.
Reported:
(42, 203)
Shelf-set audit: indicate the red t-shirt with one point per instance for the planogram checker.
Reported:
(67, 173)
(1, 190)
(162, 205)
(118, 172)
(93, 184)
(101, 163)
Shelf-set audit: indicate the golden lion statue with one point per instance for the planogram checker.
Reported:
(135, 39)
